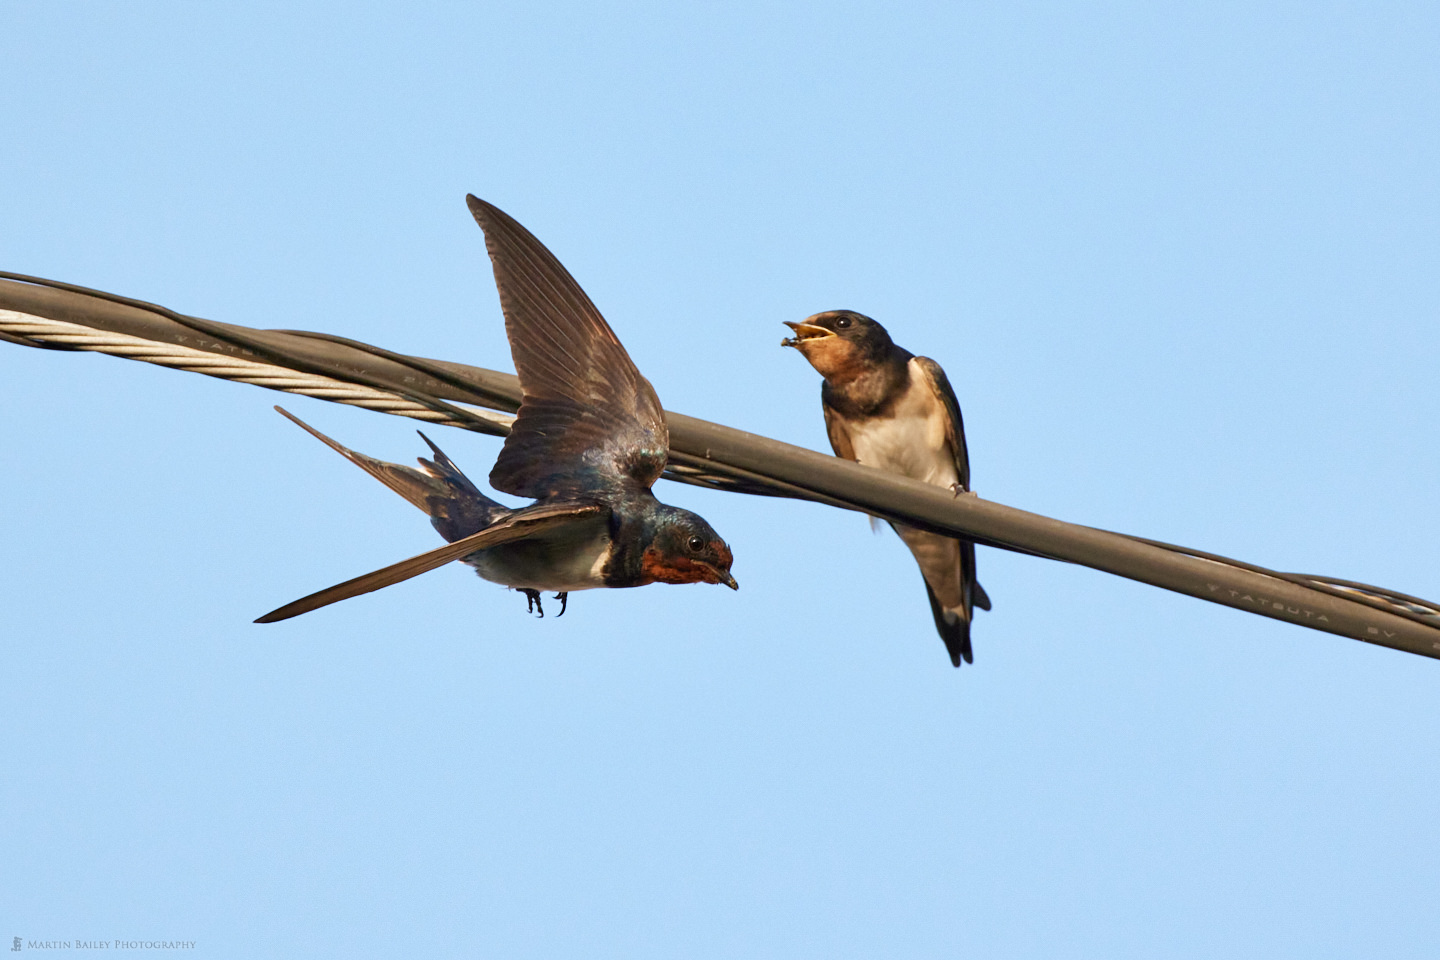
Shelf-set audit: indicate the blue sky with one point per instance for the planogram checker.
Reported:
(1179, 263)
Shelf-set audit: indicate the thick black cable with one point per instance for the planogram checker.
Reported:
(226, 334)
(507, 403)
(731, 460)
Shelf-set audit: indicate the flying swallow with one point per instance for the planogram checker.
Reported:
(887, 408)
(588, 443)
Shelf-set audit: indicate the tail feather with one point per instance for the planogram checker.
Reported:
(456, 506)
(948, 567)
(443, 468)
(953, 628)
(980, 598)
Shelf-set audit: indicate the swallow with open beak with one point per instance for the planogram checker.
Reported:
(588, 443)
(887, 408)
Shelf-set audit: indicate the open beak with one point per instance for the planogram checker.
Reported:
(726, 578)
(803, 332)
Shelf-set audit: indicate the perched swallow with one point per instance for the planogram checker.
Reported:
(887, 408)
(588, 443)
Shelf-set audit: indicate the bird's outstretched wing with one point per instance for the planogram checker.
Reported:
(587, 417)
(955, 430)
(518, 526)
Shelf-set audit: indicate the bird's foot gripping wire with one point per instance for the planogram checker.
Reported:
(562, 597)
(532, 602)
(958, 490)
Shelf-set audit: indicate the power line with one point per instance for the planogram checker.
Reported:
(43, 313)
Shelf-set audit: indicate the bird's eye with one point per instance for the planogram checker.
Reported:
(842, 322)
(696, 544)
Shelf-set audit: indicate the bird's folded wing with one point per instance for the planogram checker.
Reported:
(518, 526)
(955, 429)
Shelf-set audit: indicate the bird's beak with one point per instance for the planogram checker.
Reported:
(728, 580)
(803, 332)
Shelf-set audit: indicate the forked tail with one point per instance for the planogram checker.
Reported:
(456, 506)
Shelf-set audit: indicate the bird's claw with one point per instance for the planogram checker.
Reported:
(957, 490)
(562, 597)
(532, 602)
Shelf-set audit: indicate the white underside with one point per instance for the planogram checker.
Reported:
(913, 443)
(569, 559)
